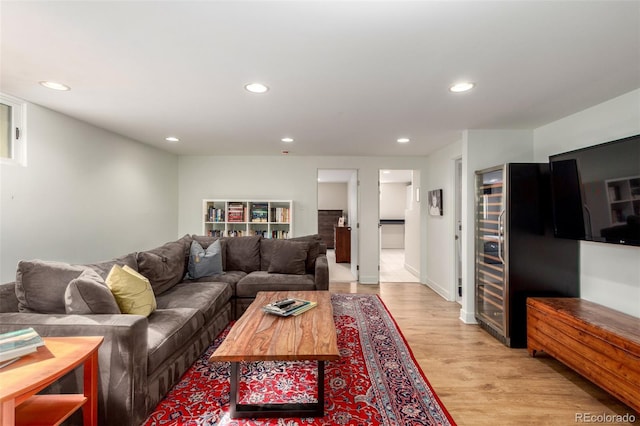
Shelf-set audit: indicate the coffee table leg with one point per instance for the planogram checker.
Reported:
(233, 396)
(237, 410)
(320, 389)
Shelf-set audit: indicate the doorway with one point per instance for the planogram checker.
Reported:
(399, 226)
(338, 221)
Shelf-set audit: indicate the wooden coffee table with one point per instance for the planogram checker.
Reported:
(258, 336)
(21, 380)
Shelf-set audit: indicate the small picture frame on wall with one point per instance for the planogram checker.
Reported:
(435, 202)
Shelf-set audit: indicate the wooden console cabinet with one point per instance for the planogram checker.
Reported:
(600, 343)
(343, 244)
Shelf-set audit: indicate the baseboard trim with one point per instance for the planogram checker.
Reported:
(439, 289)
(372, 279)
(468, 317)
(414, 271)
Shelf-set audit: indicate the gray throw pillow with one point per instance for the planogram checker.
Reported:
(165, 266)
(40, 285)
(204, 263)
(89, 294)
(205, 241)
(289, 257)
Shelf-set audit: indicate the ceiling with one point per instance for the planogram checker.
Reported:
(346, 77)
(344, 175)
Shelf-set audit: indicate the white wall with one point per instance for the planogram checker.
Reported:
(609, 275)
(412, 224)
(86, 195)
(440, 243)
(333, 196)
(393, 200)
(289, 177)
(393, 203)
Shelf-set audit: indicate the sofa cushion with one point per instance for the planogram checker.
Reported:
(289, 257)
(257, 281)
(204, 263)
(132, 291)
(206, 241)
(229, 277)
(169, 331)
(103, 268)
(315, 249)
(165, 266)
(40, 285)
(207, 297)
(89, 294)
(243, 254)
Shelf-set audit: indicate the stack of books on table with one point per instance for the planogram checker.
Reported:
(289, 307)
(15, 344)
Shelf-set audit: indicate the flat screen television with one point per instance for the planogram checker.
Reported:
(596, 192)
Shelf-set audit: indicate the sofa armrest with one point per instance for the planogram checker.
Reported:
(122, 358)
(321, 275)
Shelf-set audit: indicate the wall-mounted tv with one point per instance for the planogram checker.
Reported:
(596, 192)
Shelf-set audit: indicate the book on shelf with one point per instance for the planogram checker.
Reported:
(280, 214)
(289, 307)
(259, 212)
(282, 234)
(215, 215)
(237, 212)
(15, 344)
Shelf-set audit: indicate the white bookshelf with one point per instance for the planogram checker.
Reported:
(230, 218)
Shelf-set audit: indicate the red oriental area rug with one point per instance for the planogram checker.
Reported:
(376, 381)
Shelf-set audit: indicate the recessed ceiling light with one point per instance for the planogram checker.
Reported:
(288, 140)
(256, 88)
(171, 139)
(461, 87)
(55, 86)
(403, 140)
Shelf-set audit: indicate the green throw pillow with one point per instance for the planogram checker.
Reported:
(132, 291)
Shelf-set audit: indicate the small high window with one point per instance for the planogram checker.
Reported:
(13, 141)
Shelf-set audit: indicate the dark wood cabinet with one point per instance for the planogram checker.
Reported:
(343, 244)
(327, 220)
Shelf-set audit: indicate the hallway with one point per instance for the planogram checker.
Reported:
(391, 268)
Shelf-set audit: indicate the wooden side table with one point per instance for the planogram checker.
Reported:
(21, 380)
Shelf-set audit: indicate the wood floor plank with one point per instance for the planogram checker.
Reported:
(479, 380)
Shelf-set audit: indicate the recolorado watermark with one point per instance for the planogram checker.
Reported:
(604, 418)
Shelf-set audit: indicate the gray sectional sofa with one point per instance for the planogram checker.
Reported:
(141, 357)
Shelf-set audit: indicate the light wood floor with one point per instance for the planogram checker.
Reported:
(479, 380)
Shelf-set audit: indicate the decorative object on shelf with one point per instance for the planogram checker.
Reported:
(435, 202)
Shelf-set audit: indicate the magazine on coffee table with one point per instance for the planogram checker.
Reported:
(288, 307)
(15, 344)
